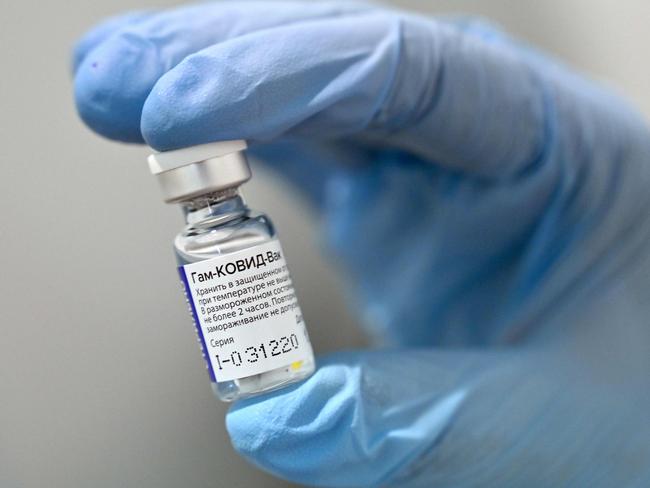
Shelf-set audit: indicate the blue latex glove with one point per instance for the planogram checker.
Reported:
(491, 210)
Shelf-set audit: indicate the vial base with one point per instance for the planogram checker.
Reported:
(229, 391)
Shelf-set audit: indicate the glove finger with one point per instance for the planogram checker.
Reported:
(103, 31)
(113, 79)
(418, 84)
(355, 422)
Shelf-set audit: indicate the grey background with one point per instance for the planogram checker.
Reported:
(101, 382)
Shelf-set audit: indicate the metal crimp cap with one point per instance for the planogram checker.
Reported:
(193, 171)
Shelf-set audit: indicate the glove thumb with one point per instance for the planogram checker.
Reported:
(361, 420)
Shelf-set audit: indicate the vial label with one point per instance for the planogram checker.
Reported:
(246, 312)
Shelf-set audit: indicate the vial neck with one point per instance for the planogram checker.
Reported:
(214, 208)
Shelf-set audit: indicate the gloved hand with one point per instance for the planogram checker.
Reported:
(490, 207)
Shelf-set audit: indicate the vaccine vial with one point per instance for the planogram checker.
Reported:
(234, 274)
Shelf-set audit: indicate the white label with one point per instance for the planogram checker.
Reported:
(247, 314)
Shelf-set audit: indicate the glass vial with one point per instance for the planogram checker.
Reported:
(234, 274)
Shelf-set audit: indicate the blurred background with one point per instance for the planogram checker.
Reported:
(101, 381)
